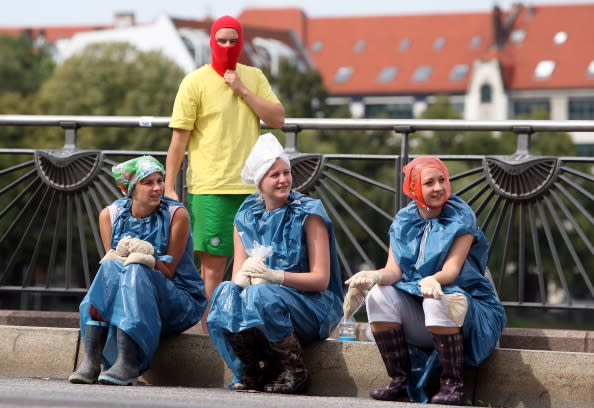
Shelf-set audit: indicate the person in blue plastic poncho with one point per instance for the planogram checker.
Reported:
(147, 284)
(431, 305)
(286, 285)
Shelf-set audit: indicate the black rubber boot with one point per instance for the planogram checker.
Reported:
(394, 351)
(450, 349)
(93, 343)
(244, 345)
(293, 376)
(125, 370)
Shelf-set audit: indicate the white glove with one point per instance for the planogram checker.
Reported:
(353, 299)
(242, 279)
(140, 258)
(112, 254)
(430, 287)
(257, 270)
(122, 247)
(457, 306)
(364, 279)
(127, 245)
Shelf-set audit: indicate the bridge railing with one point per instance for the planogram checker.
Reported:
(537, 211)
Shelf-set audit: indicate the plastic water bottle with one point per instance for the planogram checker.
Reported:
(347, 330)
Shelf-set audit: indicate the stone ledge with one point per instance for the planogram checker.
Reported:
(509, 378)
(513, 338)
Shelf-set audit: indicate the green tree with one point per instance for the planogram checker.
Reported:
(302, 93)
(23, 67)
(451, 141)
(113, 79)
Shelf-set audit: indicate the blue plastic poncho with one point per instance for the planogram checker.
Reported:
(140, 301)
(278, 310)
(420, 247)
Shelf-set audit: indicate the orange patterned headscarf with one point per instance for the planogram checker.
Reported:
(412, 178)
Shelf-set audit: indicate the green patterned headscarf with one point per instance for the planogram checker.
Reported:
(128, 173)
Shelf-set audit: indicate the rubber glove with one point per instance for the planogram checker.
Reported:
(138, 245)
(122, 247)
(457, 305)
(430, 287)
(242, 278)
(257, 270)
(364, 279)
(140, 258)
(112, 254)
(353, 300)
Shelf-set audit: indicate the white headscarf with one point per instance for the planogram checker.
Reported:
(263, 155)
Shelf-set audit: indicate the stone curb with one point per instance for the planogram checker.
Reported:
(509, 378)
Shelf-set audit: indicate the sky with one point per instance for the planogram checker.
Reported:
(30, 13)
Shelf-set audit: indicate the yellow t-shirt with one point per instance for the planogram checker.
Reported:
(224, 128)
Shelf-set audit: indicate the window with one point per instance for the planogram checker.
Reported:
(486, 92)
(458, 72)
(517, 36)
(560, 38)
(405, 44)
(317, 46)
(387, 75)
(422, 73)
(360, 46)
(544, 69)
(389, 110)
(581, 109)
(476, 41)
(343, 74)
(527, 108)
(590, 72)
(439, 43)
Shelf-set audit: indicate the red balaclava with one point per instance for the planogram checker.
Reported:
(224, 58)
(412, 179)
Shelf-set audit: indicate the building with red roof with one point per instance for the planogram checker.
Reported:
(494, 65)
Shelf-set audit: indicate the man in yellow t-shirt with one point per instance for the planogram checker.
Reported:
(216, 117)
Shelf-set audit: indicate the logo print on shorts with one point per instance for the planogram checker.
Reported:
(215, 241)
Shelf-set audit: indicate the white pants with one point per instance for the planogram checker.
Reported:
(388, 304)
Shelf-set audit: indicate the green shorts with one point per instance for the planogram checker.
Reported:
(211, 216)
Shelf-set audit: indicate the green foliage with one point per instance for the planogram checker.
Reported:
(114, 79)
(302, 93)
(23, 68)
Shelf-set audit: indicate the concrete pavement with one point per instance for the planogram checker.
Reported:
(50, 393)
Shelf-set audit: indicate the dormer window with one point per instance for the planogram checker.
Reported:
(343, 74)
(458, 72)
(590, 72)
(560, 38)
(387, 75)
(517, 36)
(317, 46)
(544, 69)
(439, 43)
(476, 41)
(360, 46)
(405, 44)
(422, 73)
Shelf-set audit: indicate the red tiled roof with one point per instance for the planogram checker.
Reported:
(383, 35)
(541, 24)
(277, 18)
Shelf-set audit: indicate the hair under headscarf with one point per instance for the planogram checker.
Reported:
(224, 58)
(412, 185)
(130, 172)
(263, 155)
